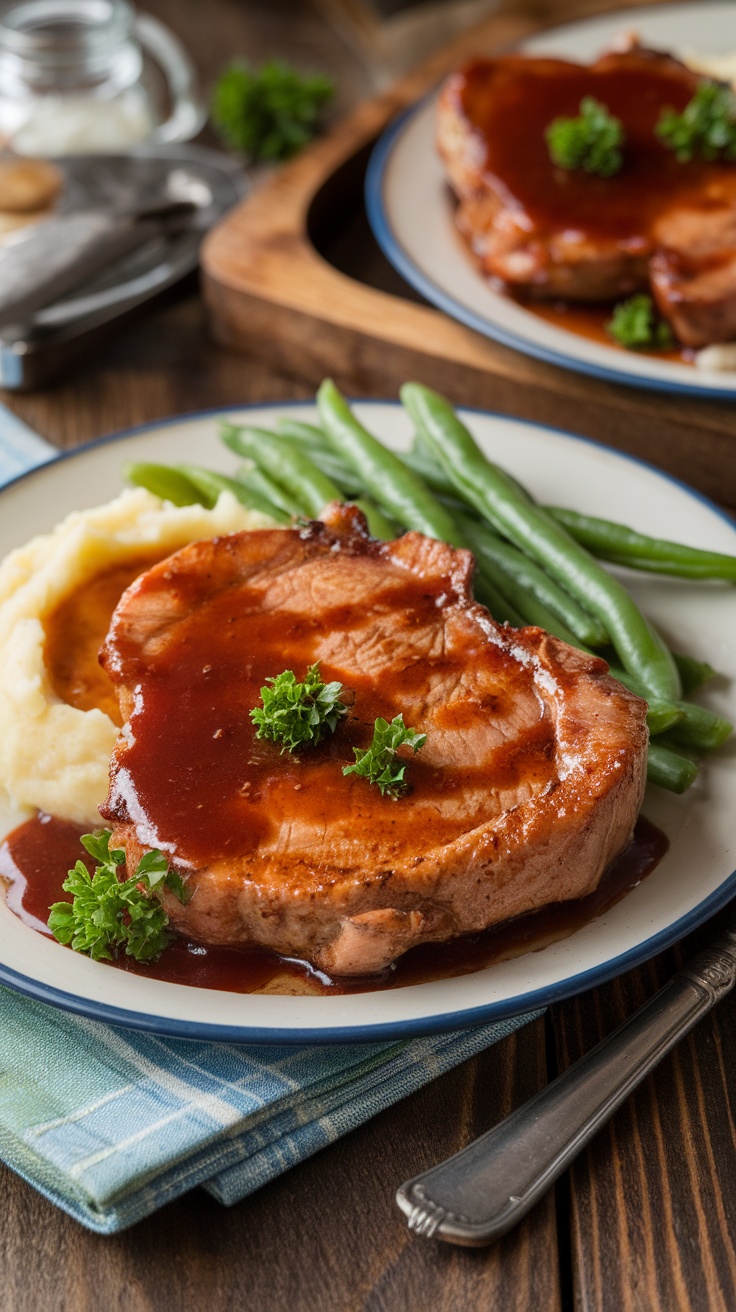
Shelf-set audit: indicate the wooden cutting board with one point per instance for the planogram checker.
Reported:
(293, 277)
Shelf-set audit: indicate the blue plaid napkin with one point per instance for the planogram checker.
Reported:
(110, 1124)
(20, 447)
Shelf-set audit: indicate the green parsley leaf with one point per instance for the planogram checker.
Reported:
(379, 763)
(271, 112)
(107, 913)
(705, 128)
(590, 142)
(298, 714)
(636, 325)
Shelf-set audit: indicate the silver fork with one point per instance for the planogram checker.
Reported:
(480, 1193)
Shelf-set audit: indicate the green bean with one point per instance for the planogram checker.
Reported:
(696, 726)
(421, 458)
(401, 492)
(331, 465)
(661, 716)
(378, 525)
(166, 482)
(672, 569)
(534, 593)
(700, 728)
(488, 593)
(625, 546)
(300, 431)
(669, 769)
(423, 463)
(639, 648)
(314, 441)
(288, 465)
(255, 478)
(211, 484)
(693, 673)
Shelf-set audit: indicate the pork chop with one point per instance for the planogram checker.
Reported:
(548, 232)
(528, 785)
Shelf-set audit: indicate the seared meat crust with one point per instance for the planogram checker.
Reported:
(528, 786)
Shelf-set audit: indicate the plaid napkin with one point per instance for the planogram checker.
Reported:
(20, 447)
(110, 1124)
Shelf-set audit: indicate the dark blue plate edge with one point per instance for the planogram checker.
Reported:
(597, 975)
(397, 255)
(474, 1016)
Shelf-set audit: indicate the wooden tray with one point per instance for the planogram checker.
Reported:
(294, 277)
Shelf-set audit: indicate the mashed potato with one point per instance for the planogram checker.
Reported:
(53, 756)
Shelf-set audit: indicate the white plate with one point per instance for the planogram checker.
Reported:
(411, 212)
(693, 880)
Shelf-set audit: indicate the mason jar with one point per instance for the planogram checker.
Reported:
(82, 76)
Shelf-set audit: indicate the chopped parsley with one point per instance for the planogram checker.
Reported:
(268, 113)
(636, 325)
(706, 128)
(591, 142)
(379, 763)
(298, 714)
(107, 914)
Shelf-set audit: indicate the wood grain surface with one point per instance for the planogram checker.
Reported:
(645, 1221)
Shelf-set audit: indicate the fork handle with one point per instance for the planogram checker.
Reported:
(478, 1194)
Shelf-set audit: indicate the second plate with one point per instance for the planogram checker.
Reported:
(411, 211)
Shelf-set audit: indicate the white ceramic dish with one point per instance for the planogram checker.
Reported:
(411, 213)
(695, 878)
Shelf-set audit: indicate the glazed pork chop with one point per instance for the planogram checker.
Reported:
(528, 785)
(658, 224)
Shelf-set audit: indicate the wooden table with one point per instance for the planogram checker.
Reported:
(645, 1222)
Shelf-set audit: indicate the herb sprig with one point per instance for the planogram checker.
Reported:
(379, 763)
(636, 325)
(271, 112)
(107, 914)
(298, 714)
(591, 142)
(705, 128)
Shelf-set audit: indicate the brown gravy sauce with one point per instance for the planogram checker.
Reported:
(35, 857)
(589, 320)
(75, 631)
(526, 96)
(228, 794)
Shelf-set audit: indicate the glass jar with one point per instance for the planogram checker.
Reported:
(79, 76)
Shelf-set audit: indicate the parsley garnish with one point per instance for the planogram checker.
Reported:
(298, 714)
(271, 112)
(107, 913)
(636, 325)
(590, 142)
(379, 763)
(706, 126)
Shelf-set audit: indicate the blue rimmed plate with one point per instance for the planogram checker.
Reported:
(411, 211)
(695, 878)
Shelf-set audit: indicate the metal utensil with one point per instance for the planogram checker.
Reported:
(480, 1193)
(50, 259)
(206, 182)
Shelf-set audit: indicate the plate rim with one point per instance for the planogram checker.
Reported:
(403, 262)
(483, 1014)
(533, 1003)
